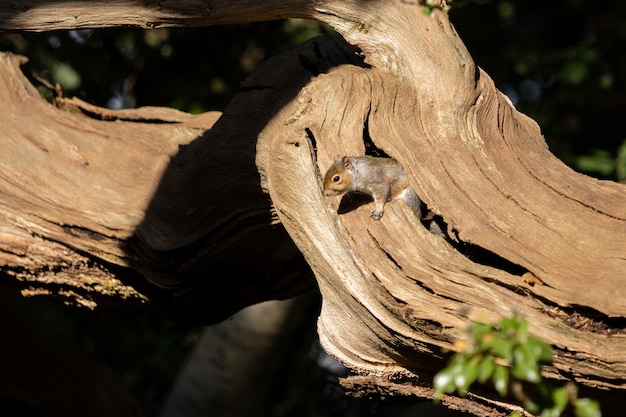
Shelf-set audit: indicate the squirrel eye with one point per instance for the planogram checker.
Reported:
(336, 178)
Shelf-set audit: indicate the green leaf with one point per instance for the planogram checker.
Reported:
(459, 359)
(525, 366)
(480, 329)
(574, 72)
(467, 376)
(550, 412)
(502, 348)
(598, 161)
(521, 325)
(526, 372)
(543, 351)
(531, 405)
(585, 407)
(620, 162)
(444, 382)
(485, 369)
(509, 324)
(560, 398)
(67, 76)
(501, 380)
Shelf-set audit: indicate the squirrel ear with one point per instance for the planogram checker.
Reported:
(346, 162)
(337, 158)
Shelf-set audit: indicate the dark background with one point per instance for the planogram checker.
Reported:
(561, 62)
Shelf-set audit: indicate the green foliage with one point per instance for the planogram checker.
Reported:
(510, 358)
(620, 162)
(191, 69)
(603, 163)
(598, 161)
(560, 63)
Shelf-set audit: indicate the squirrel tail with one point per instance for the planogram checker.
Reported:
(413, 201)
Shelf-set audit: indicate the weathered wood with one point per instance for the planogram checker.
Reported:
(393, 290)
(551, 242)
(72, 189)
(138, 208)
(42, 15)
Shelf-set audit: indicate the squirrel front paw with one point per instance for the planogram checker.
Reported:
(376, 214)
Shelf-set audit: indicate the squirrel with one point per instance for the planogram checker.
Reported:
(383, 179)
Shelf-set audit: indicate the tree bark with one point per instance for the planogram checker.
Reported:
(90, 207)
(100, 201)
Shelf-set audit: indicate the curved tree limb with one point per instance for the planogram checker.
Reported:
(102, 200)
(414, 286)
(394, 295)
(43, 15)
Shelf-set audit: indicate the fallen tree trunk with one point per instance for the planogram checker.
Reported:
(100, 201)
(92, 207)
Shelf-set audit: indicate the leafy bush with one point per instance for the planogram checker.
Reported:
(509, 357)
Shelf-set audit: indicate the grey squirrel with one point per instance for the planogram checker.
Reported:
(383, 179)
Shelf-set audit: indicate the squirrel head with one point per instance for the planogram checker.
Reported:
(338, 178)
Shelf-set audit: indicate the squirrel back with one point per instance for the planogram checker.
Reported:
(381, 178)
